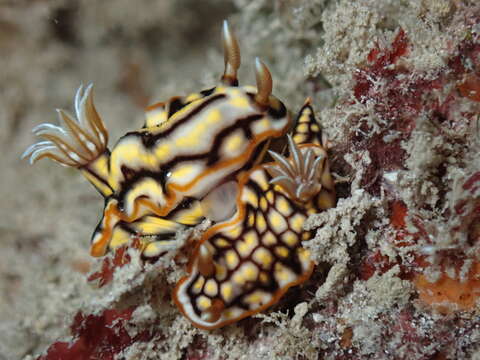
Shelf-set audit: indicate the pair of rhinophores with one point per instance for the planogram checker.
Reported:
(205, 156)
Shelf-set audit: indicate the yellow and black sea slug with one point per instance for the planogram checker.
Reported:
(154, 178)
(246, 263)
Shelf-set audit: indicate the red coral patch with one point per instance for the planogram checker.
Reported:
(97, 337)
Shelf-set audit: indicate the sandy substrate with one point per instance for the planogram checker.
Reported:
(394, 84)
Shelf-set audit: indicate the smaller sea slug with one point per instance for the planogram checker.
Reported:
(246, 263)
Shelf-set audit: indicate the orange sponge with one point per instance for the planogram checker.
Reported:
(449, 294)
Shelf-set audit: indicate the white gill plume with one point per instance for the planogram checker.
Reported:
(299, 175)
(76, 143)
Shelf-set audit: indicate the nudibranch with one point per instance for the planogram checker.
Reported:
(204, 156)
(154, 179)
(246, 263)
